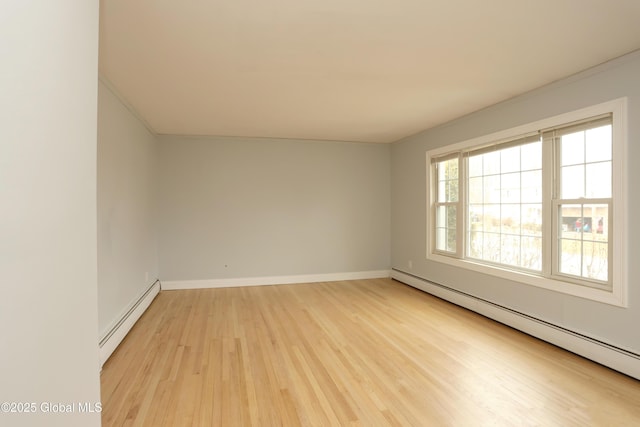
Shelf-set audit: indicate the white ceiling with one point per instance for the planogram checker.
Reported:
(350, 70)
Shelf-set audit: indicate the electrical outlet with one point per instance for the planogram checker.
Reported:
(410, 264)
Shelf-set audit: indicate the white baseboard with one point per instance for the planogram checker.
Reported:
(272, 280)
(608, 355)
(112, 338)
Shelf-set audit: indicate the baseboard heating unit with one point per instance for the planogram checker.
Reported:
(114, 336)
(616, 358)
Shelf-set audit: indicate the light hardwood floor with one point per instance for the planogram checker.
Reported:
(353, 353)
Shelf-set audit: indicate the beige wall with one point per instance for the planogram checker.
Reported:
(127, 217)
(48, 309)
(236, 208)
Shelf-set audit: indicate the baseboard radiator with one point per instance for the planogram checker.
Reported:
(114, 336)
(616, 358)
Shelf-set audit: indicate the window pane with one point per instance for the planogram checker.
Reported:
(531, 156)
(491, 247)
(441, 216)
(475, 244)
(531, 220)
(447, 180)
(531, 253)
(601, 222)
(452, 190)
(510, 250)
(510, 219)
(584, 242)
(475, 190)
(491, 163)
(586, 164)
(572, 149)
(571, 221)
(451, 217)
(475, 228)
(599, 180)
(572, 182)
(475, 166)
(452, 168)
(531, 191)
(475, 217)
(442, 171)
(510, 159)
(446, 228)
(598, 144)
(491, 218)
(596, 260)
(446, 240)
(570, 257)
(451, 240)
(510, 191)
(595, 219)
(491, 190)
(442, 194)
(441, 239)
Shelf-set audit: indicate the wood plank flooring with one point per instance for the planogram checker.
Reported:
(353, 353)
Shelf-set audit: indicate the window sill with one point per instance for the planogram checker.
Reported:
(615, 297)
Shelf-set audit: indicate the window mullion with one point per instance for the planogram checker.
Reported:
(462, 207)
(550, 173)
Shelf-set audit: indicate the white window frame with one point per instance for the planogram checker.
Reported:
(458, 205)
(617, 295)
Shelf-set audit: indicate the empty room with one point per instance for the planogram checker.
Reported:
(359, 213)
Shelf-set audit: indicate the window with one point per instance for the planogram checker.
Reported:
(583, 200)
(505, 204)
(541, 204)
(446, 205)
